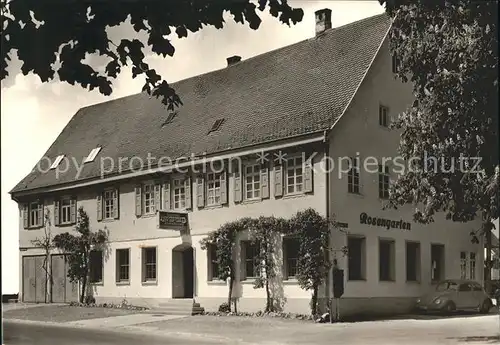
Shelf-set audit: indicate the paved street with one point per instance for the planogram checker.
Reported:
(26, 334)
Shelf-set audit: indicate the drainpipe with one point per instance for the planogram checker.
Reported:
(327, 186)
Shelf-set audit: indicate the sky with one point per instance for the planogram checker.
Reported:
(33, 114)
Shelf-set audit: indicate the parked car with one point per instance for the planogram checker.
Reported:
(455, 295)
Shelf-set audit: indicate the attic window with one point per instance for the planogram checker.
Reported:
(92, 155)
(216, 125)
(57, 161)
(170, 118)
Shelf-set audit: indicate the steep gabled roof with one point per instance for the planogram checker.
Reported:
(296, 90)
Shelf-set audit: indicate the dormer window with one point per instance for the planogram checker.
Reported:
(216, 125)
(57, 161)
(92, 155)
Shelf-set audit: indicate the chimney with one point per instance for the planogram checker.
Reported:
(323, 20)
(233, 59)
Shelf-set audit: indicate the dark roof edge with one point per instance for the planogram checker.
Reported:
(281, 143)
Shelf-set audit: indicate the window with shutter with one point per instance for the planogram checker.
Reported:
(138, 201)
(237, 182)
(35, 214)
(178, 194)
(148, 199)
(65, 211)
(278, 180)
(109, 204)
(294, 175)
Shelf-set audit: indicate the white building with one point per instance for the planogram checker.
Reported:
(329, 97)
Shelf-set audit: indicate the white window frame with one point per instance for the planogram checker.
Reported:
(178, 189)
(463, 265)
(254, 260)
(287, 258)
(472, 266)
(148, 198)
(353, 174)
(383, 116)
(145, 265)
(65, 210)
(298, 187)
(120, 265)
(213, 182)
(383, 185)
(108, 204)
(33, 214)
(254, 186)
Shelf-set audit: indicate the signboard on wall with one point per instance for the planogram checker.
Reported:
(169, 220)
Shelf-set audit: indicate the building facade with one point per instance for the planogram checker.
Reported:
(288, 156)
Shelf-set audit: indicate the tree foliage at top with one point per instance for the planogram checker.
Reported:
(43, 32)
(449, 51)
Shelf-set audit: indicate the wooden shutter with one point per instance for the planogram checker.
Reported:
(166, 195)
(223, 187)
(116, 203)
(187, 191)
(283, 260)
(308, 178)
(237, 183)
(264, 181)
(41, 213)
(243, 274)
(278, 180)
(200, 191)
(72, 215)
(157, 196)
(26, 223)
(138, 201)
(99, 206)
(57, 211)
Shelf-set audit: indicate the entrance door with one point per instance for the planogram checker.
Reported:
(188, 261)
(29, 279)
(183, 271)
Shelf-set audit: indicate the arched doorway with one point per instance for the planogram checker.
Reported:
(183, 271)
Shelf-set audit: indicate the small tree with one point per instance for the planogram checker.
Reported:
(266, 231)
(313, 231)
(78, 248)
(45, 242)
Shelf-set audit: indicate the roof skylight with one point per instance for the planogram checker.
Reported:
(57, 161)
(92, 155)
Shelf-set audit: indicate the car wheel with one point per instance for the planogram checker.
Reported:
(450, 307)
(485, 307)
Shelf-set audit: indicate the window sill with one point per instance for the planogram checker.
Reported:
(150, 283)
(65, 225)
(295, 195)
(413, 282)
(291, 281)
(356, 195)
(357, 280)
(211, 207)
(149, 215)
(34, 227)
(250, 201)
(123, 283)
(216, 282)
(387, 128)
(108, 220)
(97, 284)
(387, 281)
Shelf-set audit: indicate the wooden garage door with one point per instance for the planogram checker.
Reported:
(63, 290)
(34, 279)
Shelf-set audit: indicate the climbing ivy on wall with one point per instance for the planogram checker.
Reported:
(309, 227)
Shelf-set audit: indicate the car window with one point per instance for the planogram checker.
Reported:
(464, 287)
